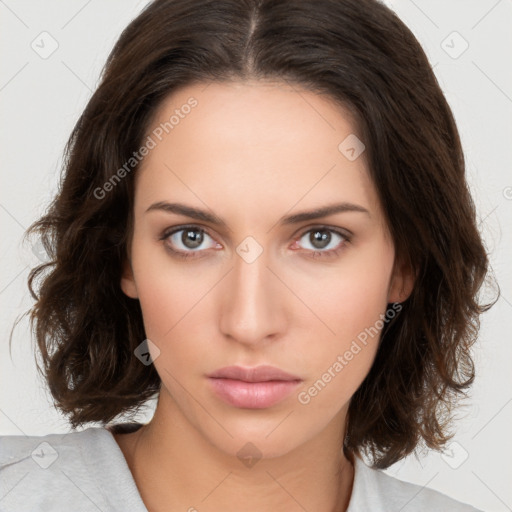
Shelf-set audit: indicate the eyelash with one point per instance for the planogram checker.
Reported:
(332, 253)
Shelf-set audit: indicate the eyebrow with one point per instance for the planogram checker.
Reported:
(203, 215)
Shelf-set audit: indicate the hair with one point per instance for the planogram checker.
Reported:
(360, 54)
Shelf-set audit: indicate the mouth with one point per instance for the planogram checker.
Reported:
(262, 373)
(253, 388)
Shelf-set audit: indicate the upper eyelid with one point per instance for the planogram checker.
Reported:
(176, 229)
(345, 233)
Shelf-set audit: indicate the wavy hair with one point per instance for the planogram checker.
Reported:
(360, 54)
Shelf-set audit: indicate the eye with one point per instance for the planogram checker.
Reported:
(323, 241)
(187, 240)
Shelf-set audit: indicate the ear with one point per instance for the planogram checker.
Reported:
(128, 281)
(402, 282)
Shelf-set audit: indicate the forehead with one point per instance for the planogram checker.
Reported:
(260, 143)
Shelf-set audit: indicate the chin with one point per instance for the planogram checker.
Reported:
(261, 441)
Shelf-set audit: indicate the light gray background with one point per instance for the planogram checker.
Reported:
(41, 98)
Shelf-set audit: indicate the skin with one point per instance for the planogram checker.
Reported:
(252, 153)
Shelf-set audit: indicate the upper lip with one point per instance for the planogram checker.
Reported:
(255, 374)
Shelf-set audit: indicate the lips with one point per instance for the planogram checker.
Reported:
(252, 388)
(262, 373)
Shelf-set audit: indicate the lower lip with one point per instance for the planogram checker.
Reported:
(253, 395)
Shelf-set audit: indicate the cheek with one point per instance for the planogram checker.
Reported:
(353, 296)
(351, 307)
(168, 292)
(172, 304)
(344, 304)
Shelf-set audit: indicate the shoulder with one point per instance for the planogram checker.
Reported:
(377, 491)
(43, 451)
(49, 471)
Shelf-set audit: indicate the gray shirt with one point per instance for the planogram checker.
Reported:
(86, 471)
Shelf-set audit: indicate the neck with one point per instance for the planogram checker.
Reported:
(175, 468)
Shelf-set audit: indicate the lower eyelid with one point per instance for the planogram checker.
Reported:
(191, 253)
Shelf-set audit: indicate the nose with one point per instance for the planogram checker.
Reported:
(254, 302)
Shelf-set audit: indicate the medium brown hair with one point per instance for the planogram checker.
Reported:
(357, 52)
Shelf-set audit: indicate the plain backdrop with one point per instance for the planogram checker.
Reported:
(52, 53)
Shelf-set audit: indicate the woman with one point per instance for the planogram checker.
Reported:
(264, 222)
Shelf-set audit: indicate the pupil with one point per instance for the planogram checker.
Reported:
(192, 238)
(320, 239)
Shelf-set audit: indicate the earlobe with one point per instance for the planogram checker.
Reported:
(128, 281)
(402, 282)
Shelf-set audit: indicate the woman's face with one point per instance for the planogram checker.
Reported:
(252, 281)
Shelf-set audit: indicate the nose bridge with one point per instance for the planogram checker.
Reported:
(250, 311)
